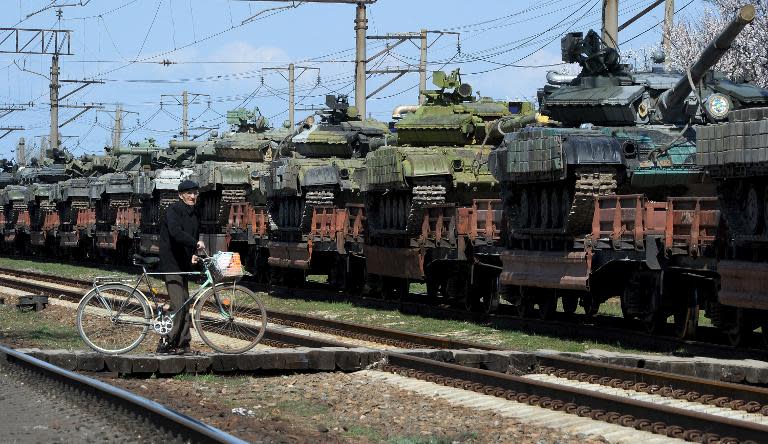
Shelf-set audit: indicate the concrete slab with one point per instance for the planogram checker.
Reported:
(224, 362)
(89, 361)
(171, 365)
(143, 364)
(118, 364)
(197, 364)
(62, 358)
(468, 358)
(321, 359)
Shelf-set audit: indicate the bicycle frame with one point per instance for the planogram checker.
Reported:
(154, 304)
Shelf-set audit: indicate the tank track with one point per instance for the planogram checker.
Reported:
(17, 207)
(119, 200)
(423, 196)
(312, 199)
(588, 185)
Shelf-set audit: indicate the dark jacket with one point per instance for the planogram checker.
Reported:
(179, 233)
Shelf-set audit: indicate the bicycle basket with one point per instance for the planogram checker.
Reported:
(226, 267)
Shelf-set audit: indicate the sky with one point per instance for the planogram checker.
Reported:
(218, 51)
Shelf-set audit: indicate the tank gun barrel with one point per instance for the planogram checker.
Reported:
(496, 129)
(136, 150)
(183, 144)
(674, 97)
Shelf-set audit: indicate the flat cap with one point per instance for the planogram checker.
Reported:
(187, 185)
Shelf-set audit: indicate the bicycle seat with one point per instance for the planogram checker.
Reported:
(147, 261)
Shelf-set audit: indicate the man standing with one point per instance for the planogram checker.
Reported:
(179, 234)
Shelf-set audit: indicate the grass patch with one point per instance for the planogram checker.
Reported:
(33, 329)
(302, 408)
(462, 437)
(447, 328)
(210, 378)
(369, 433)
(62, 269)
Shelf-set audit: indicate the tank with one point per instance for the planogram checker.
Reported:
(424, 195)
(613, 132)
(229, 167)
(735, 154)
(116, 198)
(314, 190)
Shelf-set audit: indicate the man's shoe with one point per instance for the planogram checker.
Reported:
(187, 351)
(163, 347)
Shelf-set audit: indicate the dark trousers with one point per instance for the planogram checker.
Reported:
(178, 291)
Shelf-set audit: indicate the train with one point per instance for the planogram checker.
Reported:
(650, 187)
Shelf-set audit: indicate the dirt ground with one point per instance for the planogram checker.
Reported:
(332, 407)
(295, 408)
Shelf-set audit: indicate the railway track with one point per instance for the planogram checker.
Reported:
(598, 328)
(595, 390)
(96, 403)
(670, 421)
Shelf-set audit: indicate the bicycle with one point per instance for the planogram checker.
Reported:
(114, 316)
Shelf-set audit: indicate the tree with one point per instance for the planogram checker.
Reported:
(748, 57)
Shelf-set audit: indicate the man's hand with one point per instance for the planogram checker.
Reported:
(200, 245)
(195, 259)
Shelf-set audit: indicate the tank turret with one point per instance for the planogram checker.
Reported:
(607, 92)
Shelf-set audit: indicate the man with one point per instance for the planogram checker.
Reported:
(179, 234)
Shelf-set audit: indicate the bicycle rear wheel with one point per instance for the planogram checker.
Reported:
(230, 318)
(114, 319)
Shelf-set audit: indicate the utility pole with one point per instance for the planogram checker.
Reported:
(21, 152)
(292, 77)
(53, 137)
(611, 23)
(361, 26)
(117, 130)
(184, 100)
(669, 14)
(423, 47)
(185, 117)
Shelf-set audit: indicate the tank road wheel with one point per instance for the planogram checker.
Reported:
(765, 213)
(524, 215)
(544, 208)
(753, 209)
(534, 208)
(566, 201)
(686, 318)
(556, 216)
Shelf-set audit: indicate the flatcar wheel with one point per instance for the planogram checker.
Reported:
(489, 303)
(738, 330)
(547, 304)
(752, 210)
(764, 333)
(686, 320)
(570, 304)
(654, 323)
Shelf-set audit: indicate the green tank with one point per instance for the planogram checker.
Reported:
(613, 131)
(318, 177)
(229, 168)
(436, 175)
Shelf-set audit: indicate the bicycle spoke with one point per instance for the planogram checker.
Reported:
(110, 331)
(232, 320)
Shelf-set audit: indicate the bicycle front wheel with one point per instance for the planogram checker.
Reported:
(230, 318)
(113, 318)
